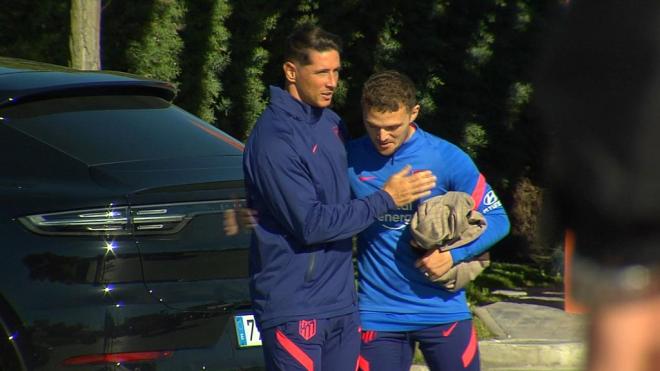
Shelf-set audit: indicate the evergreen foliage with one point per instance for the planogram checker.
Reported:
(471, 61)
(206, 55)
(251, 23)
(157, 53)
(39, 33)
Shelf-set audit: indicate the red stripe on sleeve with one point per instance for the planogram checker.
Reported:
(295, 351)
(479, 189)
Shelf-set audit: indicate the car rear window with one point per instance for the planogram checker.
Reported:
(111, 129)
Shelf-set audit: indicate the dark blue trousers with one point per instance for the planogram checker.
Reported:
(315, 344)
(447, 347)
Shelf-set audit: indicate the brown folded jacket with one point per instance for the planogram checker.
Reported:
(446, 222)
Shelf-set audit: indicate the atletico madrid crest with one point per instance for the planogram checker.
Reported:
(307, 329)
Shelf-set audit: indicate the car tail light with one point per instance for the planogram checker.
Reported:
(110, 220)
(171, 218)
(95, 359)
(125, 220)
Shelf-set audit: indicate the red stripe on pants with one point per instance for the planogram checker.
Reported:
(470, 350)
(363, 364)
(295, 351)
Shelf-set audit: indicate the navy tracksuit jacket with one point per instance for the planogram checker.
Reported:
(297, 179)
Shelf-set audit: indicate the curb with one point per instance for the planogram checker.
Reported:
(490, 322)
(534, 353)
(528, 355)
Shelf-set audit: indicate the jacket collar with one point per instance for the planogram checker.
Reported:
(413, 141)
(299, 110)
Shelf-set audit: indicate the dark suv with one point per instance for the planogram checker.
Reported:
(114, 255)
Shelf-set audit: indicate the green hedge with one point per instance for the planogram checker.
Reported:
(471, 61)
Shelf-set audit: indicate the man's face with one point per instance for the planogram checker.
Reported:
(316, 82)
(389, 130)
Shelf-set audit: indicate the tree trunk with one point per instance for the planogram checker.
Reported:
(85, 37)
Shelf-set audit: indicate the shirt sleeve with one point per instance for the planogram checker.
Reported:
(289, 195)
(465, 177)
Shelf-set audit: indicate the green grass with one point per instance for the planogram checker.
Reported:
(482, 331)
(510, 277)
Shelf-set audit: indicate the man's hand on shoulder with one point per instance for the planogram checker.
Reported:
(405, 188)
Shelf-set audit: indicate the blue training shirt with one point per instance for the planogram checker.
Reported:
(296, 179)
(393, 294)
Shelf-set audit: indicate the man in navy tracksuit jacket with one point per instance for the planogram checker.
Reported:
(302, 281)
(399, 304)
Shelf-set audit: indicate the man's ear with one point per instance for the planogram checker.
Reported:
(414, 112)
(289, 72)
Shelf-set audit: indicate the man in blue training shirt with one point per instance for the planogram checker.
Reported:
(399, 304)
(302, 281)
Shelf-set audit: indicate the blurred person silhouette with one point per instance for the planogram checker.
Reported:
(599, 93)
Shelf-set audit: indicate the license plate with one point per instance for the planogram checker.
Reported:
(246, 331)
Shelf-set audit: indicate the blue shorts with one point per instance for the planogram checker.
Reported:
(315, 344)
(447, 347)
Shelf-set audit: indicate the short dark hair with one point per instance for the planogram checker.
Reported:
(309, 37)
(387, 91)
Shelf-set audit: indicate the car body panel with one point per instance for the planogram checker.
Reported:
(112, 202)
(22, 80)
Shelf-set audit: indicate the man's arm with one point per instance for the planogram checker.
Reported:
(292, 198)
(466, 178)
(488, 204)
